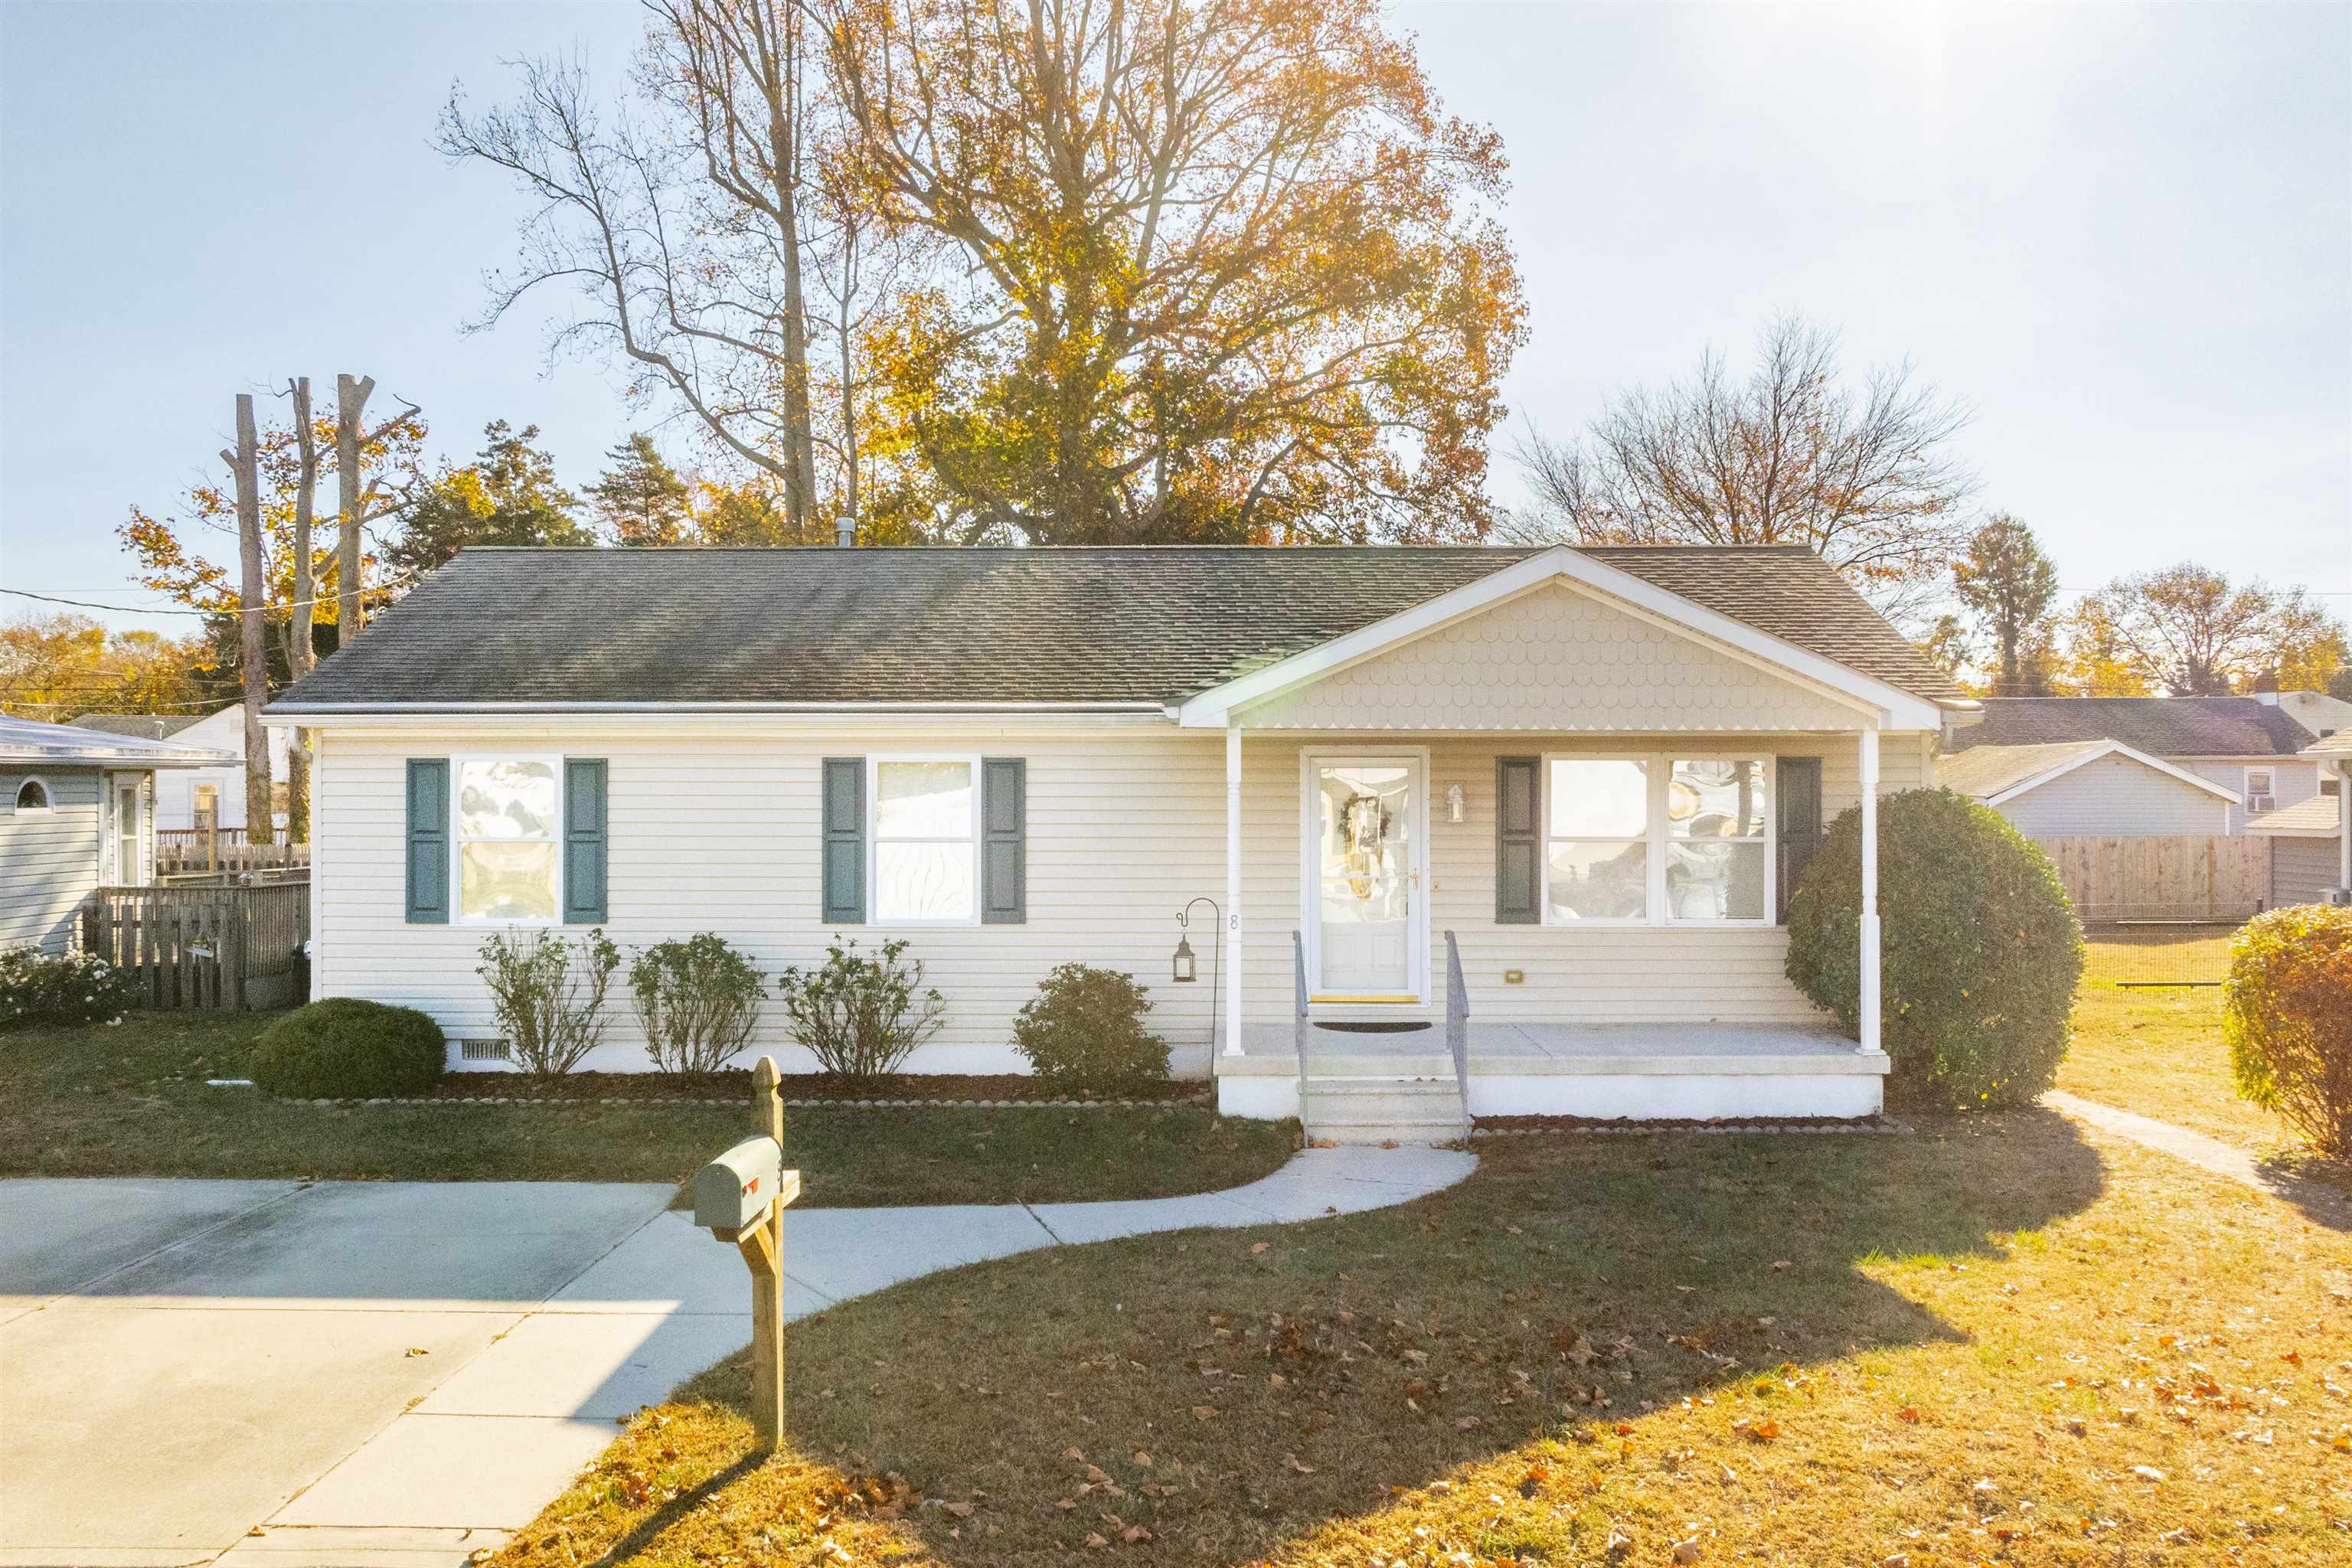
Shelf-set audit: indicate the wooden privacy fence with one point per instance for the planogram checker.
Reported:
(203, 947)
(184, 849)
(2186, 877)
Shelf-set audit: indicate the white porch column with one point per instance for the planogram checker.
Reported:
(1870, 1008)
(2344, 823)
(1231, 963)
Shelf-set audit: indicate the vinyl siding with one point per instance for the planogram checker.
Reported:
(2114, 797)
(49, 862)
(2300, 867)
(718, 831)
(2291, 781)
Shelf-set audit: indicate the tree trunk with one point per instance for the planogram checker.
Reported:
(251, 594)
(352, 394)
(303, 613)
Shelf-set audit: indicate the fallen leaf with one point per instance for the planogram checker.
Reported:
(1687, 1551)
(1093, 1540)
(1205, 1412)
(1908, 1412)
(2147, 1472)
(959, 1509)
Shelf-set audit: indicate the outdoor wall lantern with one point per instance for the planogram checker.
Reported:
(1454, 804)
(1186, 967)
(1184, 974)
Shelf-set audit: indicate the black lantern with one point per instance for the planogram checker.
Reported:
(1184, 965)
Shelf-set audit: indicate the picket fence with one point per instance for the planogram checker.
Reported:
(215, 946)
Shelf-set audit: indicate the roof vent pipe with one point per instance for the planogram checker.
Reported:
(845, 533)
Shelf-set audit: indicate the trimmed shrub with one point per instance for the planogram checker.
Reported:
(40, 987)
(698, 1001)
(2287, 1015)
(552, 1012)
(1980, 951)
(860, 1017)
(345, 1049)
(1084, 1030)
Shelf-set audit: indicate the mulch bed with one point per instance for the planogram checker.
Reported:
(1523, 1126)
(734, 1087)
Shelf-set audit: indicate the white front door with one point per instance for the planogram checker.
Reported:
(1364, 838)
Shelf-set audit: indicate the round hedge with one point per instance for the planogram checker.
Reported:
(345, 1049)
(2287, 1015)
(1084, 1030)
(1980, 949)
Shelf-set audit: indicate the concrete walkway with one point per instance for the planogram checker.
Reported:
(400, 1374)
(2322, 1202)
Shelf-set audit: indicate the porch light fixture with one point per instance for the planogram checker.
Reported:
(1454, 804)
(1185, 967)
(1185, 975)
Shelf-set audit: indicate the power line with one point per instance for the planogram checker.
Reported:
(162, 610)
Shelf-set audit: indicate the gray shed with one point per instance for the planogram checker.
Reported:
(77, 811)
(2303, 849)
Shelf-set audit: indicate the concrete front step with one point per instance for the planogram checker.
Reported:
(1381, 1111)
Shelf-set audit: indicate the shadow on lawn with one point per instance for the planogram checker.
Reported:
(1281, 1379)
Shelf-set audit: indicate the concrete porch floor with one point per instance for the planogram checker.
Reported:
(1555, 1049)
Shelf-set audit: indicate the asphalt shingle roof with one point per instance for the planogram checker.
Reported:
(2160, 726)
(1983, 772)
(146, 726)
(2312, 818)
(1048, 625)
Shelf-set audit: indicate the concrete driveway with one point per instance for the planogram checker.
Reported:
(182, 1362)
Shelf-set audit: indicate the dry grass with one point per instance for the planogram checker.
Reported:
(1957, 1346)
(131, 1100)
(2158, 1051)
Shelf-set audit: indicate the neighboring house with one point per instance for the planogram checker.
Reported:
(1596, 767)
(181, 797)
(2248, 745)
(2315, 711)
(2088, 789)
(77, 811)
(2311, 841)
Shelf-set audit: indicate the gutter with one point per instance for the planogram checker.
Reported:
(291, 711)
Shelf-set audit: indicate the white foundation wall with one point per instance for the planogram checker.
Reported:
(1573, 975)
(717, 831)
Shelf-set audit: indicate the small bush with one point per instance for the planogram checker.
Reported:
(552, 1014)
(698, 1001)
(859, 1016)
(40, 987)
(1980, 951)
(345, 1049)
(1084, 1030)
(2287, 1015)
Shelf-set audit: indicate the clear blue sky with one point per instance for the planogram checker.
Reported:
(2123, 234)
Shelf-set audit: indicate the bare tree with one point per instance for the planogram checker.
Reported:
(302, 610)
(361, 500)
(245, 463)
(1791, 455)
(688, 239)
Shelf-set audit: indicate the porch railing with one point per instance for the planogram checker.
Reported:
(1457, 1028)
(1298, 1024)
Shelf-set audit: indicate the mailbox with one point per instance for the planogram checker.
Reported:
(733, 1191)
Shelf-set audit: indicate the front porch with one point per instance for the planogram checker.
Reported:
(1636, 1071)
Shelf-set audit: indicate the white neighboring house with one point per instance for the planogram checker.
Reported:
(181, 798)
(1588, 775)
(2311, 841)
(2089, 788)
(77, 811)
(2252, 747)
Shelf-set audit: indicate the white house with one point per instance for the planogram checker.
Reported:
(183, 796)
(1565, 788)
(77, 811)
(2311, 841)
(2250, 746)
(2098, 788)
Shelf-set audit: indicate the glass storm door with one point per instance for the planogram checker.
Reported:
(126, 833)
(1366, 868)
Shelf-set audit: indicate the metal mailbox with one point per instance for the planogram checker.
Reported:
(733, 1192)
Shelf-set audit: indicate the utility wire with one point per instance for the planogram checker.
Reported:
(228, 610)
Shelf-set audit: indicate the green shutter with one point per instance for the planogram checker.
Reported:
(1519, 886)
(1798, 782)
(584, 841)
(1004, 840)
(844, 843)
(428, 841)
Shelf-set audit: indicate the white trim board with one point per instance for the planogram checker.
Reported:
(1870, 699)
(2114, 749)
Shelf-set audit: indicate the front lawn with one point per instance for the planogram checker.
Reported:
(131, 1100)
(1999, 1340)
(2159, 1050)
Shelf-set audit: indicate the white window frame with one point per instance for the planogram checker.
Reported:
(2269, 786)
(874, 839)
(1660, 767)
(458, 838)
(1653, 881)
(49, 797)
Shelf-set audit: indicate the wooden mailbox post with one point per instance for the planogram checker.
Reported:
(740, 1198)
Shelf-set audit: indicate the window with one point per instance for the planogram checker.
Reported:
(207, 804)
(509, 863)
(925, 828)
(33, 794)
(1657, 840)
(1717, 854)
(1597, 840)
(2258, 789)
